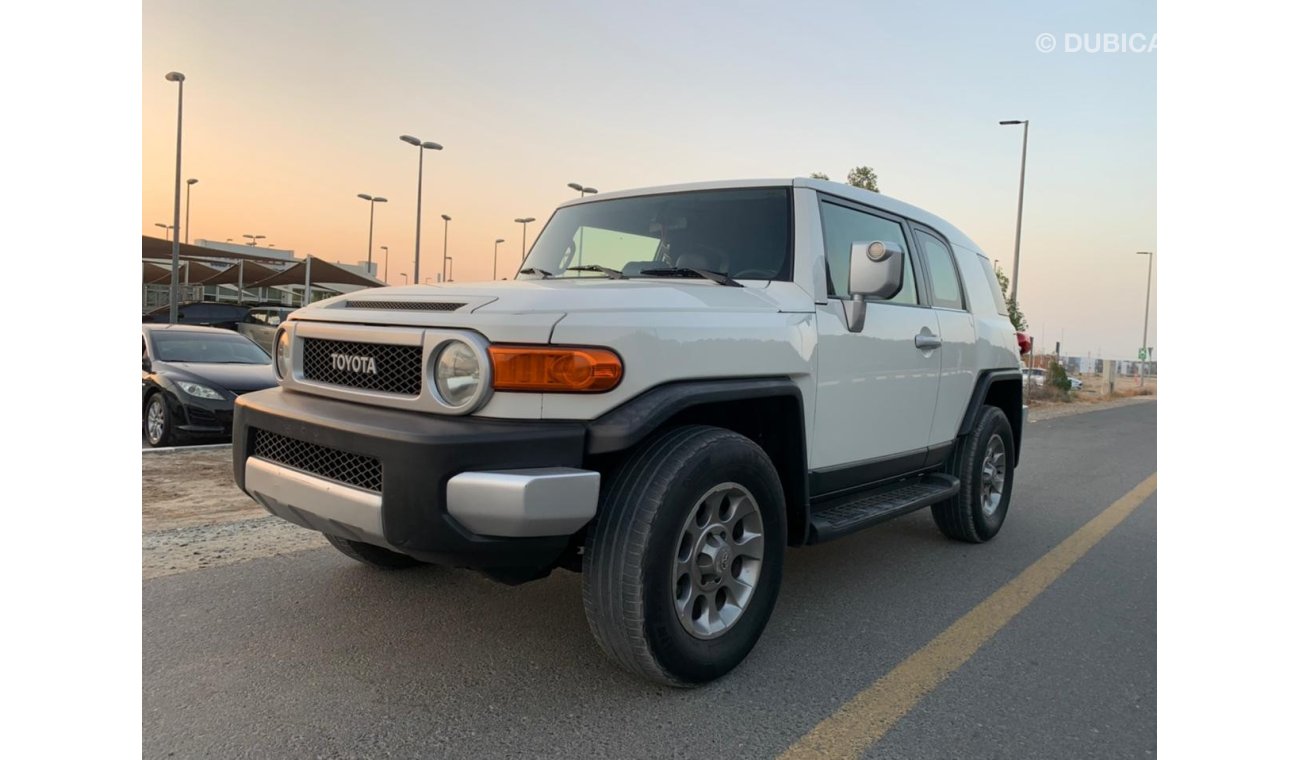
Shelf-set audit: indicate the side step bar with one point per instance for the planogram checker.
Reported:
(856, 511)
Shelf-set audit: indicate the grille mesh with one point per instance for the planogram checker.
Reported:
(397, 368)
(404, 305)
(351, 469)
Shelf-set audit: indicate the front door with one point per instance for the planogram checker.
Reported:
(876, 389)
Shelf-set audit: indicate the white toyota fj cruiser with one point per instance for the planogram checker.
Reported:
(681, 383)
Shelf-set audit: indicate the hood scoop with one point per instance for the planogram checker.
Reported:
(402, 305)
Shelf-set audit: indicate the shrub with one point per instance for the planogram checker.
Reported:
(1057, 378)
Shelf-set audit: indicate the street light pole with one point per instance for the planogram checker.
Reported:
(254, 239)
(165, 228)
(495, 246)
(523, 241)
(174, 293)
(405, 280)
(189, 183)
(421, 146)
(450, 262)
(384, 248)
(1020, 207)
(1146, 317)
(446, 222)
(370, 242)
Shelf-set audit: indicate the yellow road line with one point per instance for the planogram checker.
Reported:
(865, 718)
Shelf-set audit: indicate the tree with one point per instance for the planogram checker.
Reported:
(1013, 308)
(817, 175)
(864, 177)
(1058, 379)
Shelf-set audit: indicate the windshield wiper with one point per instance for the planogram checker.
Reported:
(721, 278)
(612, 274)
(534, 270)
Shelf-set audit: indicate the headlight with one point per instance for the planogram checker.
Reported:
(282, 364)
(457, 374)
(198, 391)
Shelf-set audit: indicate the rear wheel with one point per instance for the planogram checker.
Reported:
(984, 466)
(683, 564)
(374, 556)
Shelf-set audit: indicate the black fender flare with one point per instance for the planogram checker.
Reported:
(983, 382)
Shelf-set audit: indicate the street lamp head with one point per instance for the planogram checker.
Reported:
(526, 220)
(501, 240)
(1005, 123)
(430, 145)
(446, 218)
(175, 76)
(575, 186)
(380, 199)
(409, 139)
(364, 197)
(191, 182)
(1144, 253)
(591, 190)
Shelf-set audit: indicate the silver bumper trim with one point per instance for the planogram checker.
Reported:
(315, 503)
(548, 501)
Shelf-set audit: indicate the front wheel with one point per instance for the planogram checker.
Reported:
(984, 466)
(158, 426)
(682, 567)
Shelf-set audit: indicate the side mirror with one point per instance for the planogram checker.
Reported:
(875, 271)
(145, 364)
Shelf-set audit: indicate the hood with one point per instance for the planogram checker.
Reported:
(232, 377)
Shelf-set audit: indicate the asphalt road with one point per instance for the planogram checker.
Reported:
(312, 655)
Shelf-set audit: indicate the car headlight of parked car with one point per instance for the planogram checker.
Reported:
(458, 374)
(199, 391)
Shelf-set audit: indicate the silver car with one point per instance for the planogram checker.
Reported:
(260, 324)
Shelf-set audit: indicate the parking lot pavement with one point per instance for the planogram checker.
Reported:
(311, 655)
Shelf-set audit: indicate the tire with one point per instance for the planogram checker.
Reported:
(653, 575)
(163, 433)
(374, 556)
(969, 516)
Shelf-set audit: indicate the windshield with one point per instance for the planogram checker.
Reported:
(742, 233)
(207, 348)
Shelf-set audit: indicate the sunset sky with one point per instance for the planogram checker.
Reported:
(292, 108)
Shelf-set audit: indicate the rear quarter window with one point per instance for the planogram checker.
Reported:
(995, 290)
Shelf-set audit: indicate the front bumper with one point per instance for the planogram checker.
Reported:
(459, 491)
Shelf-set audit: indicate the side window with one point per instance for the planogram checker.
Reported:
(943, 272)
(257, 317)
(995, 287)
(841, 228)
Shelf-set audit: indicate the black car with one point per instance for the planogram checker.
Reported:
(207, 313)
(190, 377)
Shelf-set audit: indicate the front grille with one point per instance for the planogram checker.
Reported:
(355, 470)
(396, 369)
(404, 305)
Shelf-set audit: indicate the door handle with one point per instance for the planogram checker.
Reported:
(927, 342)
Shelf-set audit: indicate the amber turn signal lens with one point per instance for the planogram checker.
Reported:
(550, 369)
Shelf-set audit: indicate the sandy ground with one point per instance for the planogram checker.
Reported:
(195, 517)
